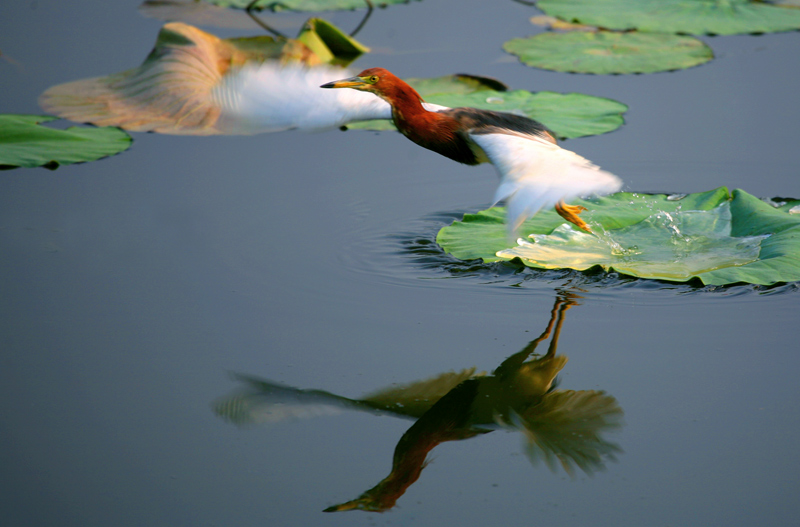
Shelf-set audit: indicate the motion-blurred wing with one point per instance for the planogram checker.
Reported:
(270, 97)
(194, 83)
(536, 174)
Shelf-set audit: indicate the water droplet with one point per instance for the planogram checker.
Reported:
(495, 100)
(676, 197)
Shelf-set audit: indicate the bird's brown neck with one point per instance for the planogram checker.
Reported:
(432, 130)
(406, 104)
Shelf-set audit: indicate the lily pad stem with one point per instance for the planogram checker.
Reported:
(252, 15)
(370, 7)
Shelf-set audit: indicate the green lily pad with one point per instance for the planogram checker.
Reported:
(604, 52)
(306, 5)
(715, 237)
(568, 115)
(696, 17)
(459, 83)
(23, 143)
(792, 206)
(329, 43)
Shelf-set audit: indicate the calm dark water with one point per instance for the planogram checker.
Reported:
(132, 286)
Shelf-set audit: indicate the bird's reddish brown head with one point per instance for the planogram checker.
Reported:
(379, 81)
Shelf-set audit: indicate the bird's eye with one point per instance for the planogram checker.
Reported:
(373, 79)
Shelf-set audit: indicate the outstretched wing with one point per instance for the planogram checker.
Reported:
(536, 174)
(189, 85)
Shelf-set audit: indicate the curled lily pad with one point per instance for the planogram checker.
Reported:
(715, 237)
(24, 143)
(306, 5)
(605, 52)
(568, 115)
(696, 17)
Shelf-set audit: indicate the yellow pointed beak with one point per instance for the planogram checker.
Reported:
(352, 82)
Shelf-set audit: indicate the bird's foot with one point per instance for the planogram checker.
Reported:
(570, 213)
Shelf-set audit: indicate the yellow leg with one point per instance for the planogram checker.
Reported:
(570, 213)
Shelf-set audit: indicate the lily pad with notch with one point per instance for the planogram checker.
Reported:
(25, 143)
(608, 52)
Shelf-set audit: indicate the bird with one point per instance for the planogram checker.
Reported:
(535, 172)
(194, 83)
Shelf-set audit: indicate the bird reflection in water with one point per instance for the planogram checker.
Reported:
(560, 427)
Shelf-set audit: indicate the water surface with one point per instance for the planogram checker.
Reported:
(132, 286)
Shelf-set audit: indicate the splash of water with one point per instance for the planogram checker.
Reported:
(670, 245)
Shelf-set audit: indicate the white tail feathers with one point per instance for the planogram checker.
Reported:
(537, 174)
(270, 97)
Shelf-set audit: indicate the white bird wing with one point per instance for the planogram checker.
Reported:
(537, 174)
(270, 97)
(187, 86)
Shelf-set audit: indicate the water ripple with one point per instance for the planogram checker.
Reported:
(411, 257)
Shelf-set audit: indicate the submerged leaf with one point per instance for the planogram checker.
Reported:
(716, 238)
(568, 115)
(23, 143)
(696, 17)
(605, 52)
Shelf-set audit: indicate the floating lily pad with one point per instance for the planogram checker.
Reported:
(605, 52)
(307, 5)
(24, 143)
(696, 17)
(568, 115)
(459, 83)
(715, 237)
(551, 22)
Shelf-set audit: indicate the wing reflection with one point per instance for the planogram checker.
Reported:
(560, 427)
